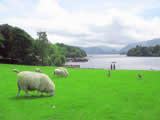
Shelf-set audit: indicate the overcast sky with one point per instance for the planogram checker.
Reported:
(112, 23)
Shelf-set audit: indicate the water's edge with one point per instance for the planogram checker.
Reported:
(122, 62)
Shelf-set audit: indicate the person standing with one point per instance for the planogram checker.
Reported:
(111, 66)
(114, 66)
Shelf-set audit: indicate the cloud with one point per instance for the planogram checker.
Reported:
(118, 24)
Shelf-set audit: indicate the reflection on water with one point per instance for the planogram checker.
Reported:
(122, 62)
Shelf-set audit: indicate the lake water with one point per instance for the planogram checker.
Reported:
(121, 62)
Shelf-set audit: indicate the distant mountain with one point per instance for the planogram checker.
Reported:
(144, 43)
(100, 50)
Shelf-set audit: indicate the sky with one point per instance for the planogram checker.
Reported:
(112, 23)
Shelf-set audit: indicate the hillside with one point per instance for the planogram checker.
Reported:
(100, 50)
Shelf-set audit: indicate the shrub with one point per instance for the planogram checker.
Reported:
(58, 60)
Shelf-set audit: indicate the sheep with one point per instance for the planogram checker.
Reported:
(30, 81)
(60, 72)
(109, 73)
(15, 70)
(65, 70)
(38, 70)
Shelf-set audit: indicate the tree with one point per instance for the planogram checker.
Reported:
(43, 45)
(58, 59)
(21, 47)
(1, 41)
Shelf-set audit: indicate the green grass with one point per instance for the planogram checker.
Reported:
(86, 94)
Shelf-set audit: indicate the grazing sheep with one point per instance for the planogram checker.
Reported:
(65, 70)
(139, 75)
(30, 81)
(109, 73)
(60, 72)
(38, 70)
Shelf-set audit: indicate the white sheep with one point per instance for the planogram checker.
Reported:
(63, 69)
(60, 72)
(38, 70)
(30, 81)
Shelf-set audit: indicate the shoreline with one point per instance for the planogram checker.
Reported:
(116, 69)
(84, 68)
(78, 66)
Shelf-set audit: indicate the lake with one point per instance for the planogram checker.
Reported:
(121, 62)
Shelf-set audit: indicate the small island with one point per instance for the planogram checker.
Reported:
(153, 51)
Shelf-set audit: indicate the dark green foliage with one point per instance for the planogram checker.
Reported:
(47, 61)
(144, 51)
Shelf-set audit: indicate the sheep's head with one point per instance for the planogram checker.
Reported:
(51, 89)
(51, 94)
(38, 70)
(15, 70)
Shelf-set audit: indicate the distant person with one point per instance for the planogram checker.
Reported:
(111, 66)
(114, 66)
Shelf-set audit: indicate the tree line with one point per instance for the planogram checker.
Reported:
(145, 51)
(17, 46)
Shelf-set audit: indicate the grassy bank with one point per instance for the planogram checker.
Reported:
(85, 95)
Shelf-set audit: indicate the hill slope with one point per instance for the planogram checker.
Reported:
(99, 50)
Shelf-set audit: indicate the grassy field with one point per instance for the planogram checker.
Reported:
(85, 95)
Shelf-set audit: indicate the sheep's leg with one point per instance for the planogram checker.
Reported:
(27, 93)
(19, 90)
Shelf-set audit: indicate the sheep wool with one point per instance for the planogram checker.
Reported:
(30, 81)
(60, 72)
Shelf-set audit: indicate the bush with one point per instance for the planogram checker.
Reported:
(58, 60)
(63, 59)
